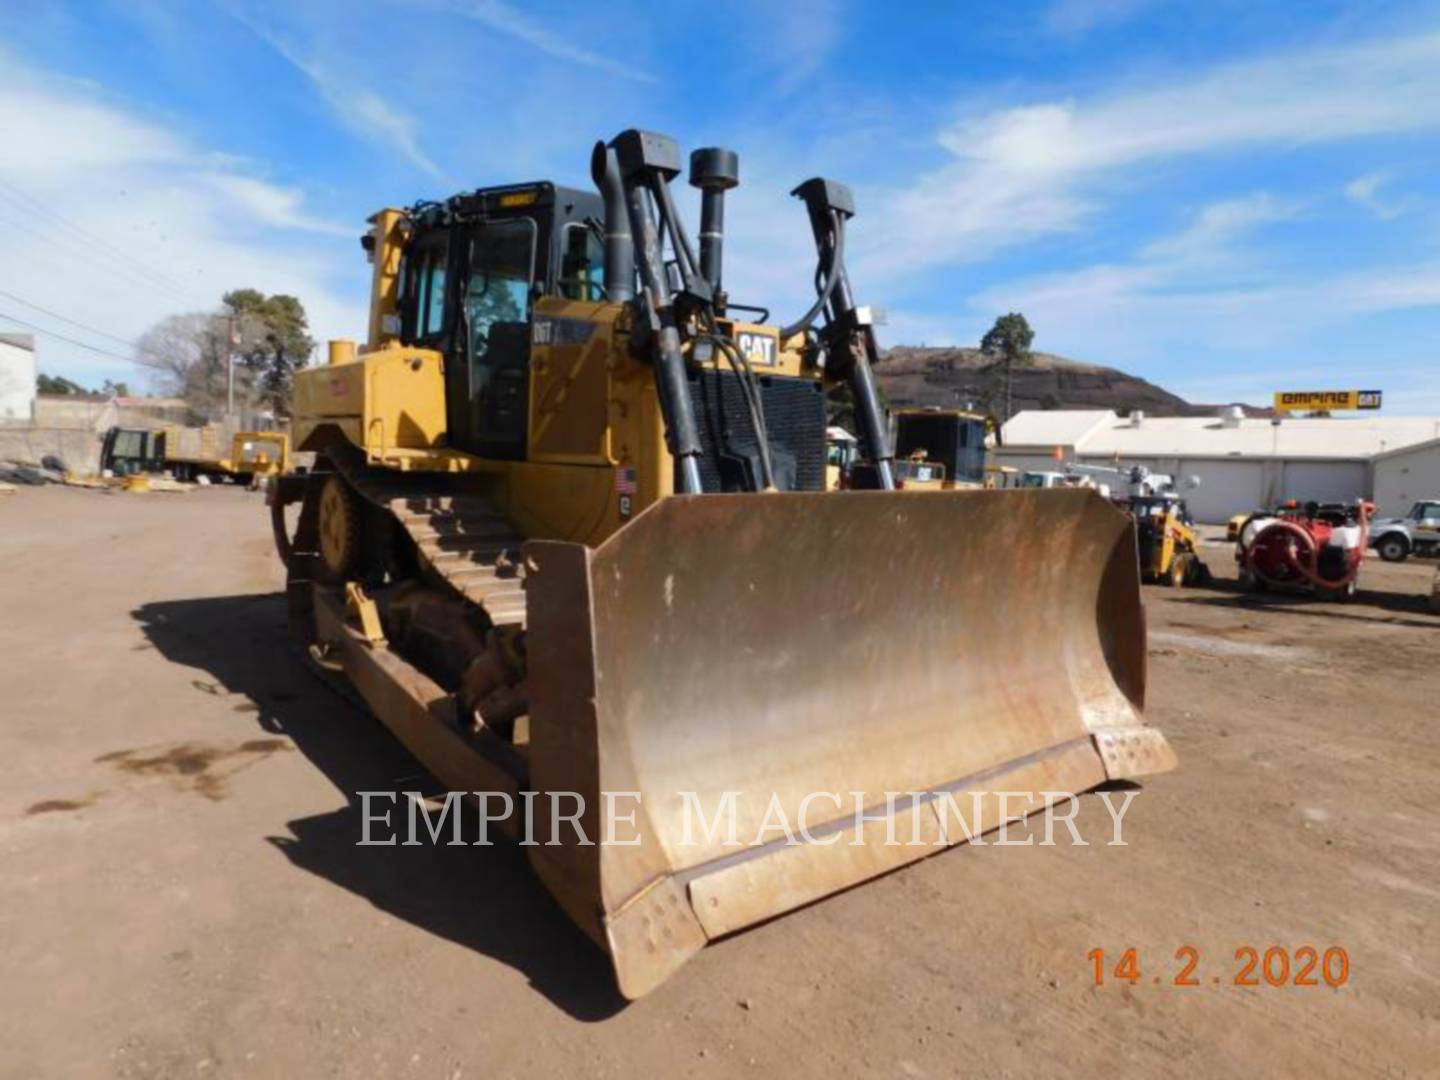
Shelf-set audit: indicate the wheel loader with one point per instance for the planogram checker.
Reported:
(567, 533)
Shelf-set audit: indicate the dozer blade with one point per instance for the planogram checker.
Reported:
(762, 659)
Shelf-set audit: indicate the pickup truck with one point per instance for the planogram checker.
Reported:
(1417, 533)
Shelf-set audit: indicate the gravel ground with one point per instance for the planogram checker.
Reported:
(180, 894)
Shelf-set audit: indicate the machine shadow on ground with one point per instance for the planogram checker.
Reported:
(1232, 595)
(483, 898)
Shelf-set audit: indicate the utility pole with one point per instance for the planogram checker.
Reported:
(233, 336)
(1009, 384)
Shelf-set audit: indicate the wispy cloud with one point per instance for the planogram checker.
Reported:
(1365, 191)
(1204, 269)
(362, 112)
(1068, 17)
(1211, 235)
(1205, 286)
(800, 37)
(272, 204)
(115, 220)
(506, 19)
(1045, 167)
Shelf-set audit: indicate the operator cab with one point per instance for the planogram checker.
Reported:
(955, 440)
(1159, 506)
(472, 269)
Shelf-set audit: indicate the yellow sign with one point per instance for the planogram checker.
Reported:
(1326, 400)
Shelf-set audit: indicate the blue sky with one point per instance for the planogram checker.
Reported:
(1226, 198)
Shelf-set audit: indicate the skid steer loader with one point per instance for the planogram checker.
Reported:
(568, 533)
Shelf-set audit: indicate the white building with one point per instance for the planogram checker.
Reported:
(1243, 463)
(1404, 476)
(17, 377)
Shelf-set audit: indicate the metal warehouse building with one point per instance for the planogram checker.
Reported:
(1241, 462)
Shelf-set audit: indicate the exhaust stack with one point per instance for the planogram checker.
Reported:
(714, 171)
(619, 245)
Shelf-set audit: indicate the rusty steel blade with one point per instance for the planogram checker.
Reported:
(775, 646)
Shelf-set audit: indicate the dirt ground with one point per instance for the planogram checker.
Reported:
(181, 894)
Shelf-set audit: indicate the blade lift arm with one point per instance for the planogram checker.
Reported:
(848, 336)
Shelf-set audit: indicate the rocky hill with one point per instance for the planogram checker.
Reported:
(952, 378)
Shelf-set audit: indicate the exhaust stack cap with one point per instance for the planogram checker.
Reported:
(714, 168)
(824, 195)
(641, 150)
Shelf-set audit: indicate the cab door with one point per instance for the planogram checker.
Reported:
(489, 375)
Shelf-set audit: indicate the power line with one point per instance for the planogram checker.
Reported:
(73, 322)
(93, 238)
(95, 243)
(83, 258)
(61, 337)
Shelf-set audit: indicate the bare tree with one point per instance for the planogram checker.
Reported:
(182, 352)
(264, 337)
(190, 355)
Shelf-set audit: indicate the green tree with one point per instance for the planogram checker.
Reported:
(1008, 342)
(272, 340)
(57, 384)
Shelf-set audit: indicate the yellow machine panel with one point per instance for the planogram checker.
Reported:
(393, 398)
(572, 358)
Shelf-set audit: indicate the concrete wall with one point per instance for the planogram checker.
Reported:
(1404, 478)
(52, 411)
(30, 445)
(17, 382)
(72, 429)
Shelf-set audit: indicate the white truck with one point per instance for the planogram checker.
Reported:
(1417, 533)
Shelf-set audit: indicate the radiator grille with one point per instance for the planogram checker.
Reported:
(794, 417)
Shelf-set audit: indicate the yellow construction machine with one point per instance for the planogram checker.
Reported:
(1168, 542)
(192, 452)
(568, 535)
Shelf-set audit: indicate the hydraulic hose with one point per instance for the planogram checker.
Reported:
(837, 265)
(1306, 564)
(745, 375)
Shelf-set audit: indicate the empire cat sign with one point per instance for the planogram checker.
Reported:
(1325, 400)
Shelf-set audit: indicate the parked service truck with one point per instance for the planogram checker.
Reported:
(1417, 533)
(188, 453)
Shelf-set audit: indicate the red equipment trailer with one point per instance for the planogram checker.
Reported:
(1315, 548)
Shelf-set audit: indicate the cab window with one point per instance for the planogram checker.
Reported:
(498, 291)
(424, 278)
(497, 335)
(582, 263)
(434, 302)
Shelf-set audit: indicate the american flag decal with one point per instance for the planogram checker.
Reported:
(625, 481)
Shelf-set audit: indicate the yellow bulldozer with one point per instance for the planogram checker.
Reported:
(567, 534)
